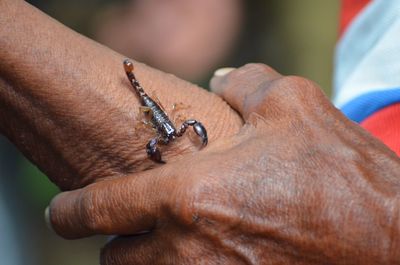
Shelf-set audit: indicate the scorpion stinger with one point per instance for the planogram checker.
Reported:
(165, 128)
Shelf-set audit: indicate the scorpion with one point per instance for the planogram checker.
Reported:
(166, 131)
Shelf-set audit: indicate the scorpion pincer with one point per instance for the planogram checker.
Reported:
(166, 131)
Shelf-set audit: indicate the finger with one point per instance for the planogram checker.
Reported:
(143, 249)
(167, 246)
(121, 206)
(236, 85)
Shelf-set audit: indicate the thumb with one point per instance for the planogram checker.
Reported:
(236, 85)
(121, 206)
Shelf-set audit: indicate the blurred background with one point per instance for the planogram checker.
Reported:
(188, 38)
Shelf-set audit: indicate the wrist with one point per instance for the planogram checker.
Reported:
(71, 110)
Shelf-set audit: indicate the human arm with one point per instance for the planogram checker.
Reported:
(299, 184)
(66, 103)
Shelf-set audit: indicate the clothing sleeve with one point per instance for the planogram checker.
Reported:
(367, 67)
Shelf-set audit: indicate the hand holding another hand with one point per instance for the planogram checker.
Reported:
(299, 184)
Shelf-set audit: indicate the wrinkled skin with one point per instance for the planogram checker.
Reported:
(299, 184)
(66, 103)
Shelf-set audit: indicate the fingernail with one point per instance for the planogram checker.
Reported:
(223, 71)
(47, 219)
(216, 82)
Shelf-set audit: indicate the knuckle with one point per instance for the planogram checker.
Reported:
(288, 89)
(283, 95)
(294, 79)
(296, 85)
(257, 67)
(196, 205)
(181, 208)
(185, 205)
(251, 70)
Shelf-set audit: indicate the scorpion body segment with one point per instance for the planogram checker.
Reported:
(160, 120)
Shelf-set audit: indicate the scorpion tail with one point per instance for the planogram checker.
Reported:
(128, 66)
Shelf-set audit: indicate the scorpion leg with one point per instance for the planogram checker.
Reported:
(198, 129)
(146, 110)
(153, 152)
(148, 114)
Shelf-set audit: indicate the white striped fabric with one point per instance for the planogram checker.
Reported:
(367, 62)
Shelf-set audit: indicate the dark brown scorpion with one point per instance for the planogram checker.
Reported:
(159, 119)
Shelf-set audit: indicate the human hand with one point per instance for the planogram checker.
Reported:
(299, 184)
(66, 103)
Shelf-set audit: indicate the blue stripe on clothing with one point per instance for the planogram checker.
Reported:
(363, 106)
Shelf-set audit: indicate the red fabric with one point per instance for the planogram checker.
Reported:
(385, 125)
(350, 9)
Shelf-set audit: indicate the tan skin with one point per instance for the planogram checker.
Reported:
(298, 183)
(66, 102)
